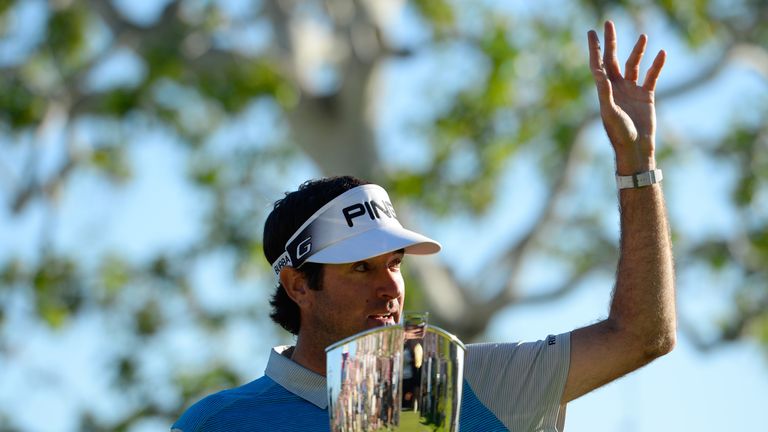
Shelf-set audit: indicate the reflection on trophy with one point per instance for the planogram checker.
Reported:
(406, 377)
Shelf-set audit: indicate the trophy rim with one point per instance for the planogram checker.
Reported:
(430, 328)
(374, 330)
(450, 336)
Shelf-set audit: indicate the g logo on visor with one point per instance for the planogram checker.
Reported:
(300, 248)
(303, 248)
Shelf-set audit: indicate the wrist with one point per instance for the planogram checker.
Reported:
(636, 157)
(632, 166)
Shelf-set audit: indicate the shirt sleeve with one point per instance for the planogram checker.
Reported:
(521, 383)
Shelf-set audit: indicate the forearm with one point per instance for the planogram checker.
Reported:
(643, 303)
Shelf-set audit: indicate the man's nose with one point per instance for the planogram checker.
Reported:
(390, 284)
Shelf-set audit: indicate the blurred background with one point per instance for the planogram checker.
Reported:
(142, 144)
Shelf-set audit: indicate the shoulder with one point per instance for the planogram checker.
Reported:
(552, 349)
(204, 412)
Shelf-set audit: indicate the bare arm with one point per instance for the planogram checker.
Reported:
(641, 324)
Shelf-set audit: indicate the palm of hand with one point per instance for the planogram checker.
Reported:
(632, 116)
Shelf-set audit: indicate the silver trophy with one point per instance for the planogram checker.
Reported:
(405, 377)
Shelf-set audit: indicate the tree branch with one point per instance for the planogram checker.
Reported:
(112, 18)
(733, 330)
(515, 256)
(32, 184)
(334, 129)
(754, 56)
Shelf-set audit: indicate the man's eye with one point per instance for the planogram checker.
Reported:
(360, 267)
(395, 264)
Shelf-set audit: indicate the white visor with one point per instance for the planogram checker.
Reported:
(356, 225)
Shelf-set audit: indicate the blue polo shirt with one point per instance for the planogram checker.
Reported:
(507, 387)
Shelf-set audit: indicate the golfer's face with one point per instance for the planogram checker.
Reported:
(358, 296)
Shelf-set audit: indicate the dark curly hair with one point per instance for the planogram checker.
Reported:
(288, 214)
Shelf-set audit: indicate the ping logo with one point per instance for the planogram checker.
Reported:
(304, 247)
(374, 209)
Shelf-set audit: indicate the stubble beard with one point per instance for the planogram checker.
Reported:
(330, 329)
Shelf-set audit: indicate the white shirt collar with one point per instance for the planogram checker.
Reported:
(296, 378)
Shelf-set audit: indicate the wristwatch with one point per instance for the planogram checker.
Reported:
(639, 180)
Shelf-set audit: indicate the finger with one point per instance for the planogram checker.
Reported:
(595, 62)
(632, 67)
(602, 83)
(610, 61)
(653, 72)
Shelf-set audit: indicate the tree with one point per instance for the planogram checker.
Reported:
(248, 93)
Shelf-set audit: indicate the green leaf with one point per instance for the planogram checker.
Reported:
(66, 34)
(114, 276)
(439, 13)
(6, 5)
(149, 319)
(111, 160)
(57, 289)
(19, 107)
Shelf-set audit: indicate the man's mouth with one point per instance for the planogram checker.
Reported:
(378, 320)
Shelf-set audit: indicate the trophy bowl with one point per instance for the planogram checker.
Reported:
(405, 377)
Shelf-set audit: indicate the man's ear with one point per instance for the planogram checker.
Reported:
(295, 284)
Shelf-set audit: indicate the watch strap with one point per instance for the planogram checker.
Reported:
(639, 180)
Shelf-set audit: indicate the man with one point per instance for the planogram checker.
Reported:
(336, 247)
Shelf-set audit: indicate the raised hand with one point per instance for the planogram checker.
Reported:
(627, 109)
